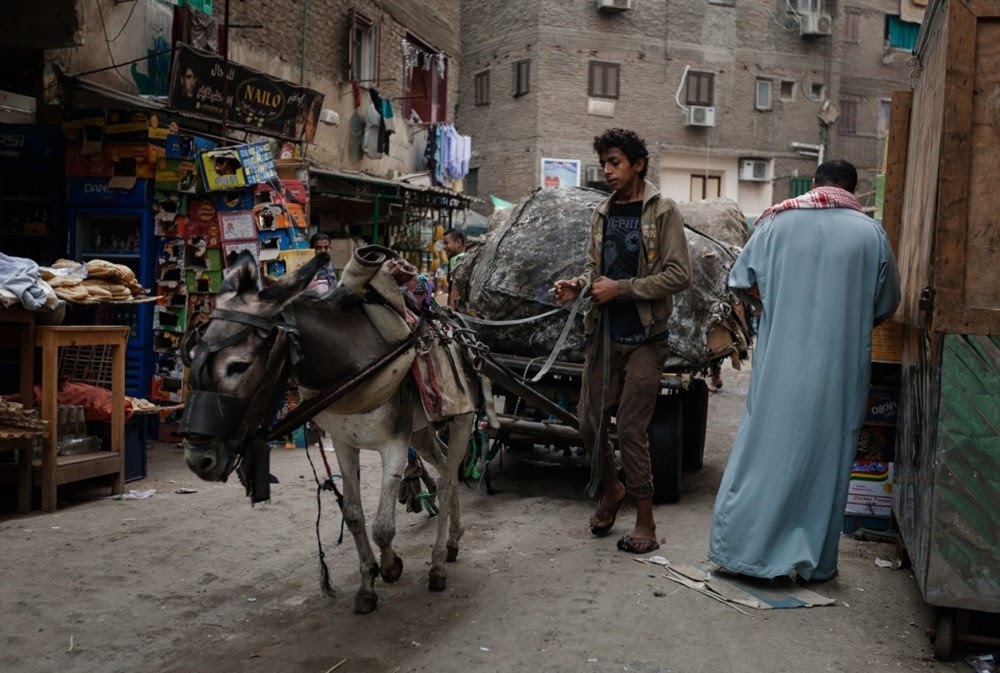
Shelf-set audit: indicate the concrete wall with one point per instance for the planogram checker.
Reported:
(123, 32)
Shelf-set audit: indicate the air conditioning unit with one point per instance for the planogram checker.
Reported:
(811, 23)
(614, 5)
(699, 115)
(753, 170)
(593, 174)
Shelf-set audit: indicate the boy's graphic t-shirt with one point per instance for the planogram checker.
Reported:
(619, 260)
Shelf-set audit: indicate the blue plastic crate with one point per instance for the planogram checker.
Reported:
(136, 438)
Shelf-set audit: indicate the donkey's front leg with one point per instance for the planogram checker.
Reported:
(348, 458)
(393, 454)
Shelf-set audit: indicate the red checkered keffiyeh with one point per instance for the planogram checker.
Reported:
(820, 197)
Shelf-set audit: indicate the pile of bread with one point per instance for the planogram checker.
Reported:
(13, 414)
(95, 282)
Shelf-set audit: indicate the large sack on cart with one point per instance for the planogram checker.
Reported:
(509, 273)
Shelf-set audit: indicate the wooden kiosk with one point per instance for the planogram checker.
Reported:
(942, 212)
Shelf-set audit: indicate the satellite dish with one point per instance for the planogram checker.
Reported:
(829, 112)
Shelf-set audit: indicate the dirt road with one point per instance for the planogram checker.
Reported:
(194, 582)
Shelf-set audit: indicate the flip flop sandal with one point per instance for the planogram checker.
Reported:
(637, 545)
(601, 531)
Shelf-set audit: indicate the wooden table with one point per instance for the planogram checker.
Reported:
(53, 469)
(56, 469)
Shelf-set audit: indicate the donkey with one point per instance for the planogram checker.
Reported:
(322, 341)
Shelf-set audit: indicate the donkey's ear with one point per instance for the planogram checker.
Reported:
(290, 284)
(242, 275)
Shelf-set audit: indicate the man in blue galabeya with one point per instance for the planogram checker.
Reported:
(823, 274)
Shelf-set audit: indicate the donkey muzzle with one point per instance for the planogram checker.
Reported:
(208, 414)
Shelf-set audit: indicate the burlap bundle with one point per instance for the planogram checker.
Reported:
(367, 272)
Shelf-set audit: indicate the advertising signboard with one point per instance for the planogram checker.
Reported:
(203, 84)
(560, 173)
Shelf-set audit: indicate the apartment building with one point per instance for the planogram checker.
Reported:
(735, 98)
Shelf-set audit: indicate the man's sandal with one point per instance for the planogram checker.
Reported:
(637, 545)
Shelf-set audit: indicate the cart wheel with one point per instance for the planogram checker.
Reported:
(944, 634)
(665, 448)
(695, 420)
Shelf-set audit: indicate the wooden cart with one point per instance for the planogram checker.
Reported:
(544, 412)
(942, 213)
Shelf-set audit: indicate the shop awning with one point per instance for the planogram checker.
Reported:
(90, 94)
(356, 185)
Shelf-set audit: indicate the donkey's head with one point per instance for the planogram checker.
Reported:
(237, 361)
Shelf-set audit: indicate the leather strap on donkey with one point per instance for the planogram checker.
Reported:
(314, 405)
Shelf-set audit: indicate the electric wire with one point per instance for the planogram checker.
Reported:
(107, 43)
(124, 25)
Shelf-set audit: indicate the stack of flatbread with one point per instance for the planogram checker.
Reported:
(13, 414)
(94, 282)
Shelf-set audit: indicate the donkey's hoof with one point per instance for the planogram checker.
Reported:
(392, 572)
(365, 604)
(452, 553)
(437, 582)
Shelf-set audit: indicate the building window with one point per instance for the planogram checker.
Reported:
(700, 88)
(852, 28)
(817, 91)
(602, 82)
(522, 78)
(787, 91)
(884, 109)
(799, 186)
(847, 122)
(363, 49)
(900, 34)
(425, 79)
(763, 100)
(483, 88)
(705, 187)
(806, 6)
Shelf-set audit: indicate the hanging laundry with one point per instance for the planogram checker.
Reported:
(389, 118)
(447, 154)
(376, 142)
(454, 153)
(466, 155)
(441, 156)
(430, 152)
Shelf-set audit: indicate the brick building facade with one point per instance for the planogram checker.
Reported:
(761, 79)
(310, 43)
